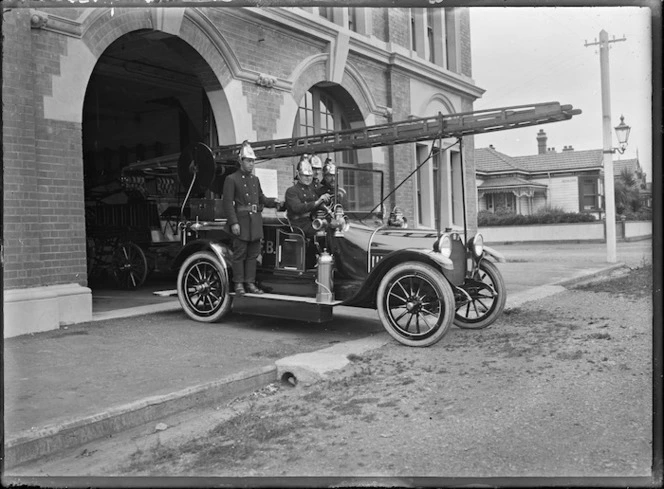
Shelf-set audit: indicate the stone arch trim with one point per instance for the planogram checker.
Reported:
(440, 99)
(98, 29)
(314, 70)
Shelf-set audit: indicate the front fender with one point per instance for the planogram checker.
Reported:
(366, 295)
(497, 256)
(222, 252)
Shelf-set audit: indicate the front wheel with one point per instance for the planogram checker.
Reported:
(203, 288)
(481, 298)
(415, 304)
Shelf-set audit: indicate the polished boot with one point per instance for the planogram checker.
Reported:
(251, 288)
(239, 289)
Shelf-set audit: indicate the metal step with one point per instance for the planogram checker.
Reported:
(284, 307)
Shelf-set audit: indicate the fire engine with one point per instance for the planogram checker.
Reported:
(421, 281)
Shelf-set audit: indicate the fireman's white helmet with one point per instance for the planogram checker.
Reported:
(304, 169)
(246, 151)
(330, 168)
(316, 162)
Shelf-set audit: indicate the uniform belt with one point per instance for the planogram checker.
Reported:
(248, 208)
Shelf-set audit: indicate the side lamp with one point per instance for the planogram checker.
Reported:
(622, 133)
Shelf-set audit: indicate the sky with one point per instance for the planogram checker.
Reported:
(525, 55)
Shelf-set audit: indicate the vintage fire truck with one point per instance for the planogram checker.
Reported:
(421, 281)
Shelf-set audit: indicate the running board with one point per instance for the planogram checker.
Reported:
(284, 307)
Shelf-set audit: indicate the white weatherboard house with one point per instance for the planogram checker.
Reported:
(569, 179)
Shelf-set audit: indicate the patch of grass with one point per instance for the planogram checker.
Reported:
(576, 355)
(390, 403)
(599, 336)
(236, 439)
(637, 283)
(267, 354)
(314, 396)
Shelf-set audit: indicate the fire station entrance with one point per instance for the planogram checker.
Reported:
(146, 99)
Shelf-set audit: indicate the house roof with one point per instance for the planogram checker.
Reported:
(564, 160)
(509, 182)
(488, 160)
(631, 165)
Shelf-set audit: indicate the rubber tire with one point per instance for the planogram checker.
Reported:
(135, 277)
(212, 264)
(496, 308)
(440, 286)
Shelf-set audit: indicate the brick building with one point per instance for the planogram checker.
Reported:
(88, 90)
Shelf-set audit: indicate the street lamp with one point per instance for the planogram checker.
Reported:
(622, 133)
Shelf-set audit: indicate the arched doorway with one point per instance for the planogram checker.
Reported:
(146, 98)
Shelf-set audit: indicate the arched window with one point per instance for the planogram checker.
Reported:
(319, 113)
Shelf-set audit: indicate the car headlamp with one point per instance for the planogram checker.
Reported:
(443, 245)
(477, 245)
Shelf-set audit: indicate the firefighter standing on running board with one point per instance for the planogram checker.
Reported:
(243, 202)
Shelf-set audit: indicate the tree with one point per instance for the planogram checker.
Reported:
(626, 191)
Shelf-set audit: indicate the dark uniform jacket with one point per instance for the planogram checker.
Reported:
(300, 202)
(324, 188)
(243, 202)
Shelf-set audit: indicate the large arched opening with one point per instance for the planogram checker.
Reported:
(146, 99)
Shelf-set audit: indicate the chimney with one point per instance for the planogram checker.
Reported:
(491, 146)
(541, 142)
(568, 148)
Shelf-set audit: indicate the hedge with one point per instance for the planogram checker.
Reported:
(486, 218)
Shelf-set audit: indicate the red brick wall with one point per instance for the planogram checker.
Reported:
(464, 40)
(21, 219)
(43, 188)
(399, 26)
(379, 24)
(401, 155)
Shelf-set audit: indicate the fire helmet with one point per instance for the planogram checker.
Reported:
(329, 168)
(316, 162)
(246, 151)
(304, 169)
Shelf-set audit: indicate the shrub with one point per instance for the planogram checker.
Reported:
(641, 215)
(543, 216)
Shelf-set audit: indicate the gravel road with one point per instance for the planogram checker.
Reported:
(559, 387)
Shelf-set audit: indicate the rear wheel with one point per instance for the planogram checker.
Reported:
(415, 304)
(129, 265)
(481, 298)
(203, 287)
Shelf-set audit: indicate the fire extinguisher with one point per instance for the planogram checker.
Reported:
(324, 280)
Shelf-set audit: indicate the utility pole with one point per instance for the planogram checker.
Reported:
(607, 148)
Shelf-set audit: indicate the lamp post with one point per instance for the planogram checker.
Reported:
(622, 131)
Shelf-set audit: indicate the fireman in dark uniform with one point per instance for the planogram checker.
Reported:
(317, 167)
(329, 182)
(243, 202)
(329, 177)
(302, 200)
